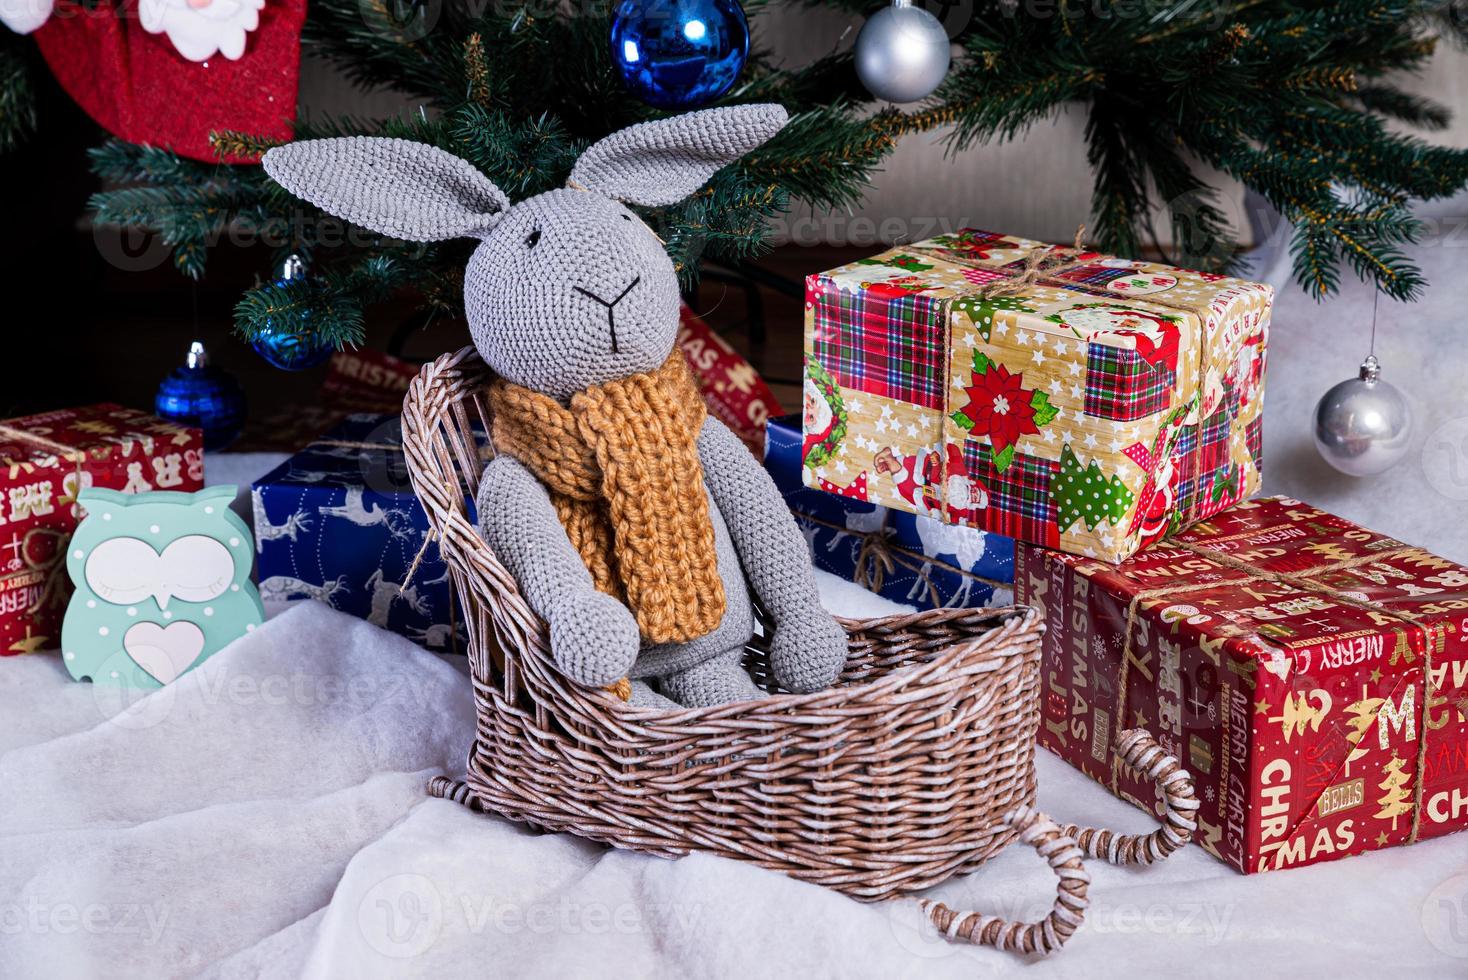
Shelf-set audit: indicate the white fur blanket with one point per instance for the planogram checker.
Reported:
(266, 816)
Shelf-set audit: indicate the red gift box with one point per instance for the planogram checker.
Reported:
(1311, 674)
(45, 460)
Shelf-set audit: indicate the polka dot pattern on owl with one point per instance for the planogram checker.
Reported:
(162, 583)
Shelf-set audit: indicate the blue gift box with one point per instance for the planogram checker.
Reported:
(904, 557)
(338, 522)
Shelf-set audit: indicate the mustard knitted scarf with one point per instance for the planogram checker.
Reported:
(622, 468)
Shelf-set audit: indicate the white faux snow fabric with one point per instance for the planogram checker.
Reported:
(265, 816)
(1423, 500)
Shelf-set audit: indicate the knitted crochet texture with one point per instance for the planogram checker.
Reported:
(622, 468)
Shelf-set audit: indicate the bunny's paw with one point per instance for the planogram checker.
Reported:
(593, 638)
(807, 653)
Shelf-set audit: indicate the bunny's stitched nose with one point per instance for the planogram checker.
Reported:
(611, 306)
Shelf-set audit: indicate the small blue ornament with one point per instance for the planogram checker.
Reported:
(285, 349)
(203, 396)
(674, 54)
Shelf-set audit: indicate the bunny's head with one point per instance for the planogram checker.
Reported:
(569, 288)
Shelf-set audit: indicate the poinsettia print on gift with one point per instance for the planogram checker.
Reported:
(1059, 396)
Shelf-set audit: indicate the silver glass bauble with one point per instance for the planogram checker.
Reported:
(1363, 426)
(902, 53)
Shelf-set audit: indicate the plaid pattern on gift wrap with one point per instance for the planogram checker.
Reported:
(1254, 440)
(891, 346)
(1020, 501)
(1121, 385)
(1213, 455)
(1094, 275)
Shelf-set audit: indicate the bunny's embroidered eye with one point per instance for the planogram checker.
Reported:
(626, 216)
(532, 238)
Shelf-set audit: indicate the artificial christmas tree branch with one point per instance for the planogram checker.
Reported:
(1288, 99)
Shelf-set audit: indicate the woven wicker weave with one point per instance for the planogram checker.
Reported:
(916, 766)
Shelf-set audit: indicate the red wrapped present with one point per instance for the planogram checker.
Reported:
(1311, 674)
(732, 389)
(44, 461)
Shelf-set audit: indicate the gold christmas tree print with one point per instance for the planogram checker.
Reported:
(1396, 800)
(1302, 712)
(1361, 714)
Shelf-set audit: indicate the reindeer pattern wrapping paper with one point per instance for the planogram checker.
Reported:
(1094, 411)
(1311, 675)
(338, 523)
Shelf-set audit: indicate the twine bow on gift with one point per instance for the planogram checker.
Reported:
(1307, 582)
(1040, 264)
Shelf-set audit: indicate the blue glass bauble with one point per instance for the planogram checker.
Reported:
(290, 351)
(203, 396)
(284, 349)
(674, 54)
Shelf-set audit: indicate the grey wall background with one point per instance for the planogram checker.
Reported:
(1037, 186)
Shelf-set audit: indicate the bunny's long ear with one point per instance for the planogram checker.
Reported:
(395, 187)
(663, 161)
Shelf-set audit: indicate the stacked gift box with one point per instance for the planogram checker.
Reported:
(1312, 675)
(1058, 396)
(339, 523)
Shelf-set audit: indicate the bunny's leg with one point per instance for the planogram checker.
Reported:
(717, 680)
(644, 696)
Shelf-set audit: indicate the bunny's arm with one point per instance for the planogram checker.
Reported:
(594, 638)
(809, 647)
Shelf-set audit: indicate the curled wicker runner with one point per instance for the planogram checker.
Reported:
(916, 766)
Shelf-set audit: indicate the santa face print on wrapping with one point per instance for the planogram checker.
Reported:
(1154, 516)
(922, 481)
(1154, 336)
(816, 412)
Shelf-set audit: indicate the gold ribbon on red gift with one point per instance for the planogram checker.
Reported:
(1432, 638)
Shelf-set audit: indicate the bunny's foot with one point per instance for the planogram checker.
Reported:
(718, 680)
(644, 696)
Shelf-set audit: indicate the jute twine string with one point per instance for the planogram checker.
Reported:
(1040, 264)
(876, 557)
(59, 448)
(1305, 582)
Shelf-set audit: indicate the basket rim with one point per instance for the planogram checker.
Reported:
(873, 693)
(424, 406)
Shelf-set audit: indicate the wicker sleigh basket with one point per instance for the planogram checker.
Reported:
(916, 766)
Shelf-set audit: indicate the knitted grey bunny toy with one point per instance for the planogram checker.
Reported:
(569, 290)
